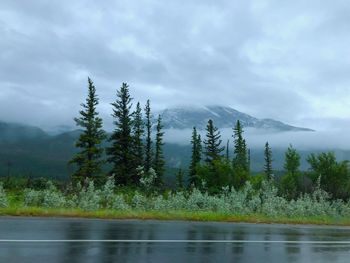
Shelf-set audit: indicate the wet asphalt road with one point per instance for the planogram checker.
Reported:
(57, 240)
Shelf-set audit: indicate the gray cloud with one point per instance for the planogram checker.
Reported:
(283, 60)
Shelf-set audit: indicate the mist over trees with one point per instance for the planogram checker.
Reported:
(136, 156)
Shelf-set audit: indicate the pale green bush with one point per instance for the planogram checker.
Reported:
(197, 201)
(139, 202)
(32, 197)
(160, 204)
(344, 209)
(50, 197)
(119, 203)
(3, 198)
(88, 198)
(253, 205)
(176, 201)
(218, 204)
(72, 201)
(245, 201)
(272, 205)
(238, 200)
(107, 194)
(148, 179)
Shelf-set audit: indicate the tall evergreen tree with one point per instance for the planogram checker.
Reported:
(240, 162)
(268, 162)
(180, 180)
(199, 147)
(137, 132)
(240, 159)
(228, 150)
(212, 143)
(292, 160)
(196, 143)
(148, 146)
(249, 159)
(121, 150)
(158, 157)
(89, 158)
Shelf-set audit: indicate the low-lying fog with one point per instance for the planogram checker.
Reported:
(334, 139)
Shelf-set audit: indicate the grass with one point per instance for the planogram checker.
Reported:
(172, 215)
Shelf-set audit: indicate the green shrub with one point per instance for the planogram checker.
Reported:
(118, 203)
(3, 197)
(89, 198)
(245, 201)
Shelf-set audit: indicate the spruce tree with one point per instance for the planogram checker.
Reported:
(148, 146)
(199, 148)
(180, 180)
(212, 143)
(240, 159)
(228, 150)
(89, 159)
(158, 157)
(240, 162)
(138, 147)
(249, 159)
(195, 157)
(268, 162)
(121, 150)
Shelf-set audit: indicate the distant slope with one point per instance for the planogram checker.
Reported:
(223, 117)
(48, 156)
(11, 132)
(28, 151)
(36, 156)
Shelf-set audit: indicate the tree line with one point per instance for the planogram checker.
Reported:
(134, 153)
(217, 169)
(131, 152)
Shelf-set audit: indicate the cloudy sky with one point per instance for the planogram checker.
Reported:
(288, 60)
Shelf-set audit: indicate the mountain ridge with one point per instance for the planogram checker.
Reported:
(185, 117)
(11, 131)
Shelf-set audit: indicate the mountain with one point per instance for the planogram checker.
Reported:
(13, 132)
(46, 155)
(223, 117)
(58, 129)
(29, 151)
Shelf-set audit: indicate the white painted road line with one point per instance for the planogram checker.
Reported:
(167, 241)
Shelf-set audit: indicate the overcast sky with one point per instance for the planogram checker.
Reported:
(288, 60)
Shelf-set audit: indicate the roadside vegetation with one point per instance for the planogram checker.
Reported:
(218, 184)
(109, 201)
